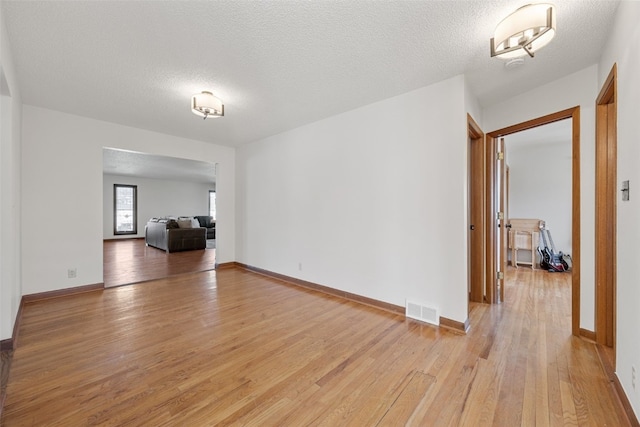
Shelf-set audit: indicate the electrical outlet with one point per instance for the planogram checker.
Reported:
(633, 376)
(300, 266)
(72, 273)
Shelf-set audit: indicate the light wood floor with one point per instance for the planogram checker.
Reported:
(131, 261)
(231, 347)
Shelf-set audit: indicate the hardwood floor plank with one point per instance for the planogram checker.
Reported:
(129, 261)
(232, 347)
(411, 394)
(481, 399)
(569, 417)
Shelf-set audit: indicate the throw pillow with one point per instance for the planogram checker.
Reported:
(195, 223)
(184, 222)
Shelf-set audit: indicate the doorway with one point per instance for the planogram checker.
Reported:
(538, 192)
(496, 226)
(168, 188)
(476, 213)
(605, 215)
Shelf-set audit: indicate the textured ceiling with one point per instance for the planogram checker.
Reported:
(120, 162)
(276, 64)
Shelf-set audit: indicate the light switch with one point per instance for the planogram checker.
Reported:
(625, 191)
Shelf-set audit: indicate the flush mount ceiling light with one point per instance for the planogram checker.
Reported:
(524, 31)
(206, 105)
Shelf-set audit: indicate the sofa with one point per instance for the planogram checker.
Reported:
(207, 222)
(166, 234)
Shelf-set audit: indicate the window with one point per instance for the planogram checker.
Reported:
(212, 204)
(125, 216)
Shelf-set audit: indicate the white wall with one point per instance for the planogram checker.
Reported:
(577, 89)
(371, 201)
(10, 197)
(540, 186)
(156, 198)
(472, 106)
(63, 192)
(622, 48)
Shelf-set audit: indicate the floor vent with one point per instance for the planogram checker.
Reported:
(422, 313)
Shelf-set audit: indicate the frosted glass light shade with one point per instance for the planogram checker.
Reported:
(525, 31)
(206, 105)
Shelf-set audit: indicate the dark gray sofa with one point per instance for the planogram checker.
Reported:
(207, 222)
(166, 235)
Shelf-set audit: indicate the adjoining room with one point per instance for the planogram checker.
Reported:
(158, 216)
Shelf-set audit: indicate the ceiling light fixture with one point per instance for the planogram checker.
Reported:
(206, 105)
(525, 31)
(514, 63)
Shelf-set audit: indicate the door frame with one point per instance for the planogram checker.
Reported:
(491, 195)
(501, 206)
(606, 211)
(477, 285)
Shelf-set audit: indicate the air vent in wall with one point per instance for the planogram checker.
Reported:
(422, 313)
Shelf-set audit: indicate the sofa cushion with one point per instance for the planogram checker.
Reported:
(184, 223)
(172, 223)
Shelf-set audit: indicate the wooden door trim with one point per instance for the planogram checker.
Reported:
(502, 205)
(574, 115)
(605, 211)
(490, 226)
(474, 129)
(476, 136)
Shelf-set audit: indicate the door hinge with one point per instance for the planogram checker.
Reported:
(500, 155)
(500, 275)
(499, 215)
